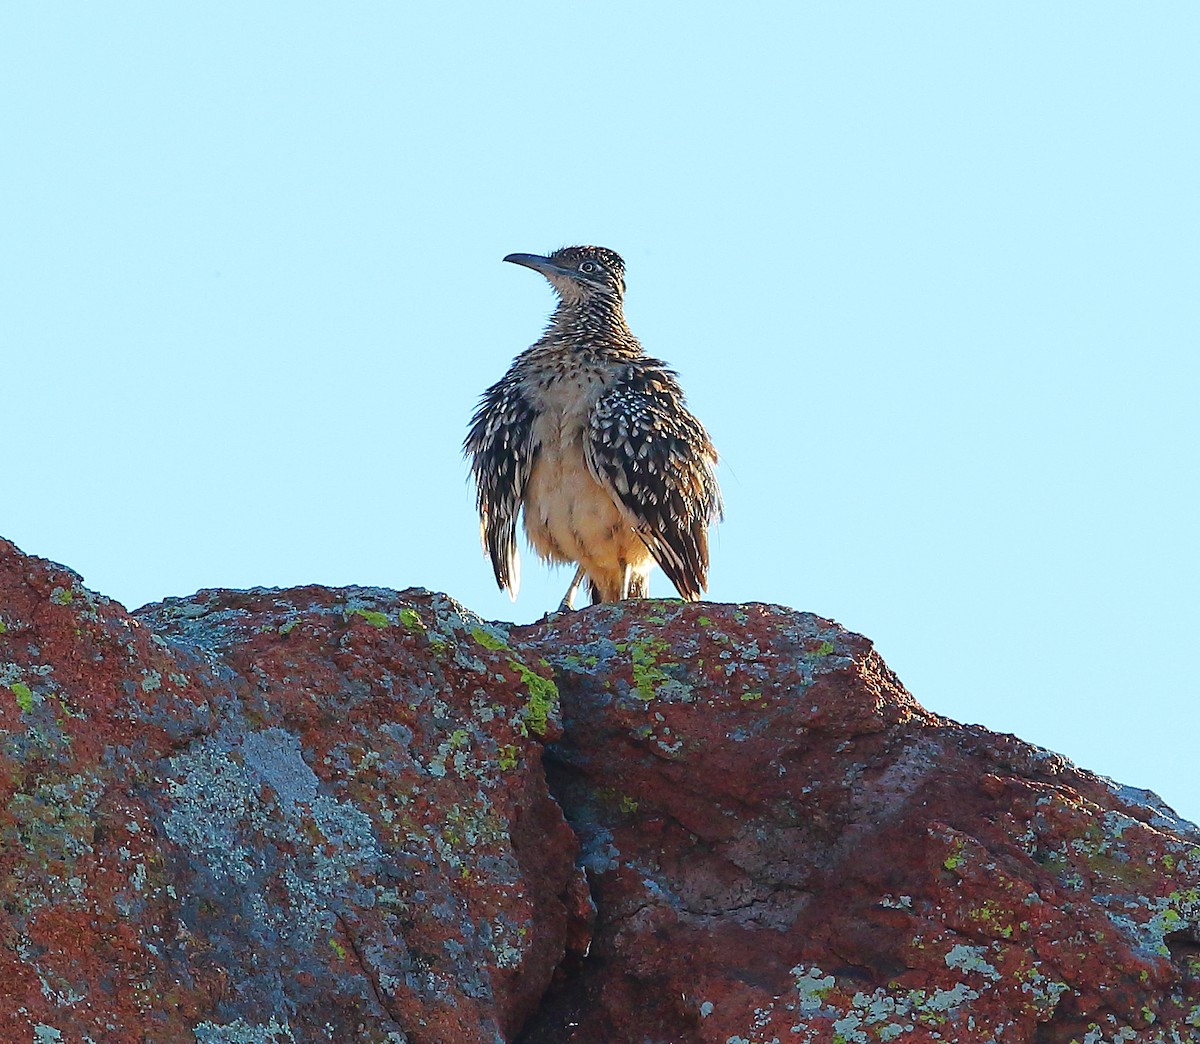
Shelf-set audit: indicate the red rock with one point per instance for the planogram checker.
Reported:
(792, 849)
(325, 815)
(322, 808)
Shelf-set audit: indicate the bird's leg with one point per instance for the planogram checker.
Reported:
(568, 602)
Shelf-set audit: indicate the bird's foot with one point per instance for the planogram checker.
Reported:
(568, 602)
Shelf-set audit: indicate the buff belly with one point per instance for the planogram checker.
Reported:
(570, 518)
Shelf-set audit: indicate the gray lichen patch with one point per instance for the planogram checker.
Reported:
(51, 826)
(825, 1008)
(250, 812)
(239, 1031)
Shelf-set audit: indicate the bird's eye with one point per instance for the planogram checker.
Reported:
(587, 266)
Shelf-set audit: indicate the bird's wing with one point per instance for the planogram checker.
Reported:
(657, 463)
(500, 446)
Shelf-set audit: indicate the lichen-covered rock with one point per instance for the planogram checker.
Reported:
(337, 815)
(784, 846)
(310, 815)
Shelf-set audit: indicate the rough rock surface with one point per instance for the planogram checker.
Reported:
(784, 846)
(338, 815)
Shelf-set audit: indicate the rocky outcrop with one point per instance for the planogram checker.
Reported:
(358, 815)
(784, 846)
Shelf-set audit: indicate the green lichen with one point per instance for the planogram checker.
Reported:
(824, 649)
(955, 859)
(508, 757)
(993, 918)
(411, 619)
(572, 662)
(487, 639)
(373, 617)
(748, 697)
(61, 596)
(703, 621)
(648, 675)
(3, 629)
(628, 805)
(287, 628)
(543, 697)
(338, 948)
(23, 695)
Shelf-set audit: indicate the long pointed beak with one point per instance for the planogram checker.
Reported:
(537, 262)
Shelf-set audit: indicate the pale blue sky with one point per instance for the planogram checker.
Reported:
(928, 272)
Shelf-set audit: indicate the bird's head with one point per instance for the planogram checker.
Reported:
(579, 273)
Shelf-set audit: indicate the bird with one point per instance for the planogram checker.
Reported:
(589, 440)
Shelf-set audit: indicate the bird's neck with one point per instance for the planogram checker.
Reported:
(596, 318)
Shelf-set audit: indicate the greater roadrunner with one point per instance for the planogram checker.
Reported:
(589, 437)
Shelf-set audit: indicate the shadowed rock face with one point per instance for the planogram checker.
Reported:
(338, 815)
(783, 845)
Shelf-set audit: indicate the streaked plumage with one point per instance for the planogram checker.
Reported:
(589, 439)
